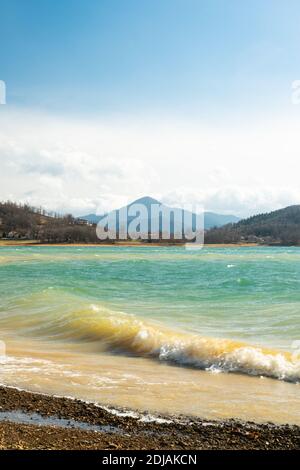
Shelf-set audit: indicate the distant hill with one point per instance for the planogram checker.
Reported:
(278, 227)
(17, 221)
(210, 218)
(20, 221)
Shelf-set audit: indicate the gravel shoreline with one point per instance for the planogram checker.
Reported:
(36, 421)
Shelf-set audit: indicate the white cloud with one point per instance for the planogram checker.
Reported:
(70, 165)
(236, 200)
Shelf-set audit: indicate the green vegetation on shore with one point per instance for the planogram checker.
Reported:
(281, 227)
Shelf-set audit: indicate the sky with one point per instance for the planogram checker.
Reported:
(188, 101)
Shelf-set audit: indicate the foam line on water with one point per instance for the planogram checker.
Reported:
(123, 333)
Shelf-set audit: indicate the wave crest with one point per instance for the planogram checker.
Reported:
(127, 333)
(76, 321)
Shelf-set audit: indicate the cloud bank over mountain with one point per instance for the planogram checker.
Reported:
(86, 166)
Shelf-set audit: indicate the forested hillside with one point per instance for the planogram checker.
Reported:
(19, 221)
(278, 227)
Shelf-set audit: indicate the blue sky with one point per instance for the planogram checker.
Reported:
(186, 100)
(121, 56)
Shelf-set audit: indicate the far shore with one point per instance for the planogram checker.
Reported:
(119, 243)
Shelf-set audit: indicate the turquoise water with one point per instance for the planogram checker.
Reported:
(248, 294)
(207, 332)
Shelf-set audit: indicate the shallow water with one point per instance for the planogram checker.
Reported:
(20, 417)
(207, 332)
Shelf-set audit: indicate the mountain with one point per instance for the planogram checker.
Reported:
(210, 218)
(278, 227)
(218, 220)
(17, 221)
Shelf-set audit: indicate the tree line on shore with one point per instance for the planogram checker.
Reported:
(21, 221)
(278, 227)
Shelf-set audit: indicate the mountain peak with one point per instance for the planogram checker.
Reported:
(210, 218)
(146, 201)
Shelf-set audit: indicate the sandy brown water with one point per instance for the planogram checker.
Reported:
(156, 329)
(37, 421)
(144, 384)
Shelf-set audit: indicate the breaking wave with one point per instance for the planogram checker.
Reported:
(125, 333)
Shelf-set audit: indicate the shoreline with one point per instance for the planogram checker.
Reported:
(37, 421)
(4, 243)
